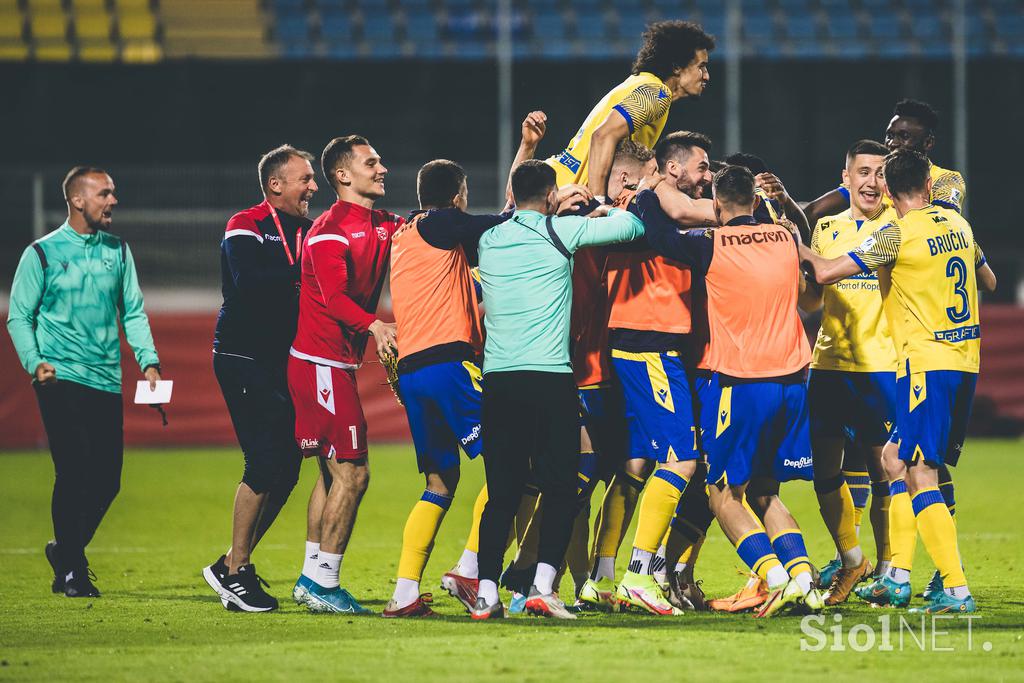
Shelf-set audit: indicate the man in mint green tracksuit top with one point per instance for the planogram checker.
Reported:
(71, 290)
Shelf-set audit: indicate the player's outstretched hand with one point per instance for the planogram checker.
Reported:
(45, 373)
(534, 126)
(771, 185)
(572, 197)
(385, 336)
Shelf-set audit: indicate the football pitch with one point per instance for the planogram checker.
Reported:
(158, 620)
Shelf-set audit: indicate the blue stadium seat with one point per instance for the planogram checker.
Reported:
(590, 6)
(936, 50)
(894, 49)
(833, 7)
(714, 24)
(332, 5)
(800, 27)
(282, 7)
(754, 6)
(336, 26)
(341, 49)
(850, 49)
(421, 5)
(805, 49)
(841, 26)
(757, 25)
(292, 28)
(378, 27)
(556, 49)
(421, 26)
(297, 50)
(629, 26)
(590, 26)
(549, 25)
(385, 49)
(710, 7)
(473, 49)
(375, 6)
(928, 27)
(877, 7)
(885, 28)
(762, 48)
(977, 27)
(1011, 26)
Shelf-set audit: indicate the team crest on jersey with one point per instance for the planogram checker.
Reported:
(835, 234)
(955, 195)
(382, 233)
(108, 263)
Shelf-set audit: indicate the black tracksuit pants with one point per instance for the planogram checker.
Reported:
(530, 421)
(85, 428)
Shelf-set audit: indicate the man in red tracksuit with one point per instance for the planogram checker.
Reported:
(344, 261)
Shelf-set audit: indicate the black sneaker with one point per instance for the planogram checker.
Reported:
(245, 590)
(78, 584)
(58, 577)
(214, 575)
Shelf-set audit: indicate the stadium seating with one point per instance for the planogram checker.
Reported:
(466, 29)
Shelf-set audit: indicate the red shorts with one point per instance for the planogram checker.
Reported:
(329, 420)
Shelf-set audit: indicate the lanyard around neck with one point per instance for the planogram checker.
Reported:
(284, 240)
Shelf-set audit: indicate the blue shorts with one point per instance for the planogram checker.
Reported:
(860, 406)
(705, 392)
(760, 430)
(604, 416)
(442, 402)
(659, 405)
(934, 408)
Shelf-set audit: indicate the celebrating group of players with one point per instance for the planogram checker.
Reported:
(642, 330)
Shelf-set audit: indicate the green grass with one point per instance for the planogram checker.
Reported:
(157, 619)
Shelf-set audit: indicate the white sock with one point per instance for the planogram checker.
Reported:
(899, 575)
(640, 561)
(544, 577)
(852, 557)
(883, 567)
(680, 567)
(309, 562)
(958, 592)
(658, 562)
(468, 566)
(777, 577)
(605, 568)
(406, 592)
(488, 590)
(803, 579)
(327, 570)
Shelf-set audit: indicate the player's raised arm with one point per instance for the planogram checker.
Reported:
(773, 187)
(533, 129)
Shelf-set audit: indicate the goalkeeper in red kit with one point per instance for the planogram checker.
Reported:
(344, 263)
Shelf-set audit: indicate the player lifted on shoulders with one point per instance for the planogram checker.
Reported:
(928, 258)
(344, 261)
(438, 318)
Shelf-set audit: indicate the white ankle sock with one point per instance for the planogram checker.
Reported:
(777, 577)
(883, 567)
(544, 577)
(327, 570)
(406, 592)
(605, 568)
(852, 557)
(640, 561)
(488, 590)
(958, 592)
(899, 575)
(309, 562)
(803, 579)
(680, 567)
(468, 566)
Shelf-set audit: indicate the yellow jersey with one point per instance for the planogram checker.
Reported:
(948, 188)
(854, 334)
(927, 262)
(642, 99)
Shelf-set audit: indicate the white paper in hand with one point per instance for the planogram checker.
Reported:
(147, 396)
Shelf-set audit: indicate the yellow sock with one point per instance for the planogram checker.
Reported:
(902, 527)
(838, 512)
(473, 542)
(656, 509)
(616, 513)
(939, 535)
(420, 531)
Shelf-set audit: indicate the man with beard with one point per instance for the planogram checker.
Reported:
(72, 289)
(260, 256)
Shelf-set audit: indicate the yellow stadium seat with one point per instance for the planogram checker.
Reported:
(136, 24)
(53, 51)
(92, 6)
(45, 6)
(13, 51)
(97, 52)
(11, 26)
(9, 7)
(133, 6)
(141, 52)
(48, 26)
(93, 26)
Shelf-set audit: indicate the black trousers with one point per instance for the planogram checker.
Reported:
(85, 428)
(530, 422)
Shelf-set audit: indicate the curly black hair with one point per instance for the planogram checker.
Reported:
(670, 45)
(922, 111)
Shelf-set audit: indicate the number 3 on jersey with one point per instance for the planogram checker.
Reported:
(956, 268)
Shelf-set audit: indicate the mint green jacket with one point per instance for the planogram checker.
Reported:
(67, 313)
(527, 284)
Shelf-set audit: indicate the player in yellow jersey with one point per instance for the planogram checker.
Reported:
(671, 64)
(852, 385)
(926, 259)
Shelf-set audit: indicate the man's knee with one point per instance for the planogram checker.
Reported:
(354, 475)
